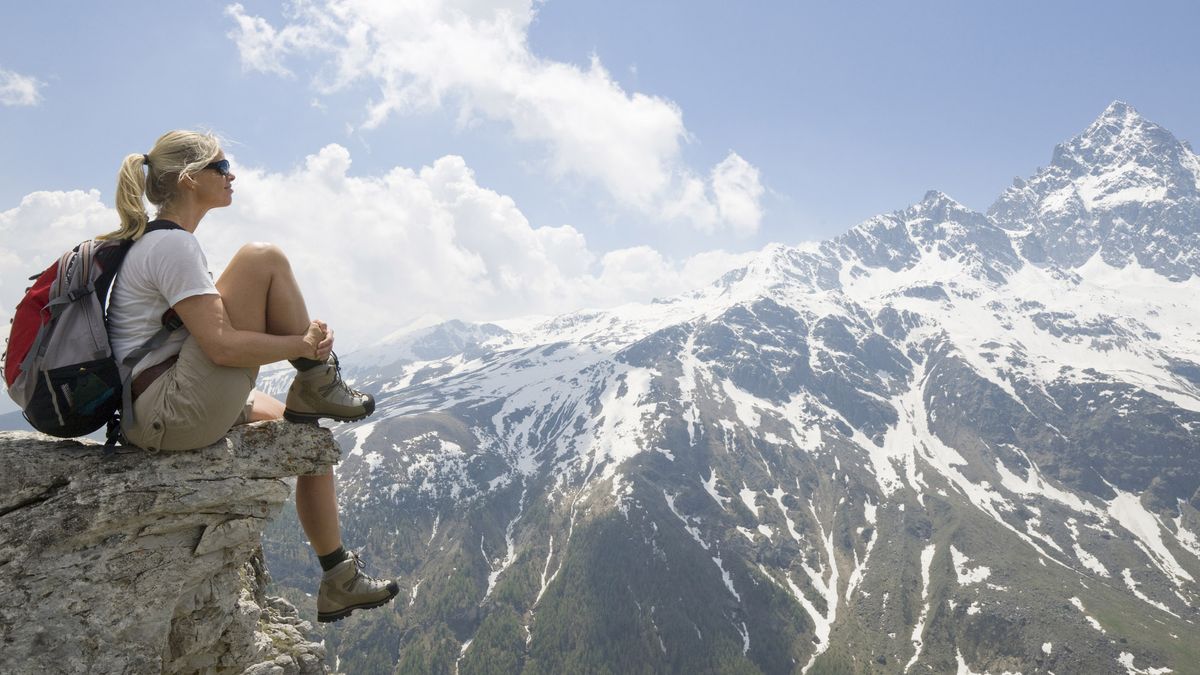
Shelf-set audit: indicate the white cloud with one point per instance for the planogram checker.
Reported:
(374, 252)
(17, 89)
(259, 44)
(738, 191)
(475, 55)
(35, 233)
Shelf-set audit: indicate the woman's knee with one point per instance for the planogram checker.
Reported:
(261, 257)
(252, 267)
(262, 252)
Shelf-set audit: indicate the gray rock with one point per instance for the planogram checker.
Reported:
(147, 563)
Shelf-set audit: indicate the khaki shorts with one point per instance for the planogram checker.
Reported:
(191, 405)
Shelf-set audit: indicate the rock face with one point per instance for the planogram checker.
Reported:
(147, 563)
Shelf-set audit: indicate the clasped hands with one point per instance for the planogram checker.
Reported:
(319, 338)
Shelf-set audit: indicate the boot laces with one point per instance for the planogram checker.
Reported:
(360, 565)
(337, 382)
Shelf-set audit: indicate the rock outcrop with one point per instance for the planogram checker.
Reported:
(147, 563)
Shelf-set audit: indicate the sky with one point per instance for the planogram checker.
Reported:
(492, 159)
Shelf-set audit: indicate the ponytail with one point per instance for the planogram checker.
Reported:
(176, 154)
(131, 187)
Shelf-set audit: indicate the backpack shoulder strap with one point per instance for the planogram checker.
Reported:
(61, 271)
(160, 224)
(132, 360)
(113, 258)
(150, 345)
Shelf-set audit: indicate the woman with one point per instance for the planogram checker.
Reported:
(189, 391)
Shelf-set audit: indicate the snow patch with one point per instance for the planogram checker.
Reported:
(1086, 559)
(1095, 624)
(822, 622)
(966, 575)
(1126, 659)
(1127, 575)
(620, 435)
(745, 404)
(437, 519)
(695, 532)
(373, 460)
(546, 576)
(860, 568)
(1127, 509)
(361, 433)
(687, 523)
(726, 578)
(745, 638)
(1035, 485)
(748, 498)
(1186, 538)
(710, 486)
(919, 629)
(510, 556)
(963, 669)
(778, 495)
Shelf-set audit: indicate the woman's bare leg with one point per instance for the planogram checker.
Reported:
(316, 505)
(261, 294)
(316, 496)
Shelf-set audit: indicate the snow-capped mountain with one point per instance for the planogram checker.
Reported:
(942, 442)
(1125, 188)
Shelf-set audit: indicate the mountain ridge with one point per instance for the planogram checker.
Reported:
(943, 442)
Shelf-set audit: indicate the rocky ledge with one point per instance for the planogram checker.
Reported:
(147, 563)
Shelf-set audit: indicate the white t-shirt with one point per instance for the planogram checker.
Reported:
(162, 268)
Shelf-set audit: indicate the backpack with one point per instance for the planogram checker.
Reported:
(59, 366)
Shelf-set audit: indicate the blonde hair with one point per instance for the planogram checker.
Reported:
(176, 154)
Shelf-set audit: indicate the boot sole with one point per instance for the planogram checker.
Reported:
(329, 617)
(314, 418)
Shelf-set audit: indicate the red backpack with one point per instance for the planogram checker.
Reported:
(59, 366)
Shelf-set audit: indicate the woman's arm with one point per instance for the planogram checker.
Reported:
(205, 317)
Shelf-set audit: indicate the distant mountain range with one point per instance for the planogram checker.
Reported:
(943, 442)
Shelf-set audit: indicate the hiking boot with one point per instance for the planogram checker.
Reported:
(345, 588)
(320, 393)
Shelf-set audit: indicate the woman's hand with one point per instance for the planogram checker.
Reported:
(320, 338)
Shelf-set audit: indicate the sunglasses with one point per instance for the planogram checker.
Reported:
(220, 166)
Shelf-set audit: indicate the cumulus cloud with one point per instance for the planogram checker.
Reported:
(737, 188)
(17, 89)
(474, 55)
(36, 232)
(374, 252)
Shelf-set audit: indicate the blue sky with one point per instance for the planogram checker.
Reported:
(548, 157)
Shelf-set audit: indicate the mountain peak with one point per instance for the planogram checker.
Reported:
(1119, 110)
(937, 199)
(1124, 187)
(935, 196)
(1120, 135)
(941, 207)
(1119, 120)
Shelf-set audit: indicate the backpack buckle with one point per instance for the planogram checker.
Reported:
(76, 293)
(171, 320)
